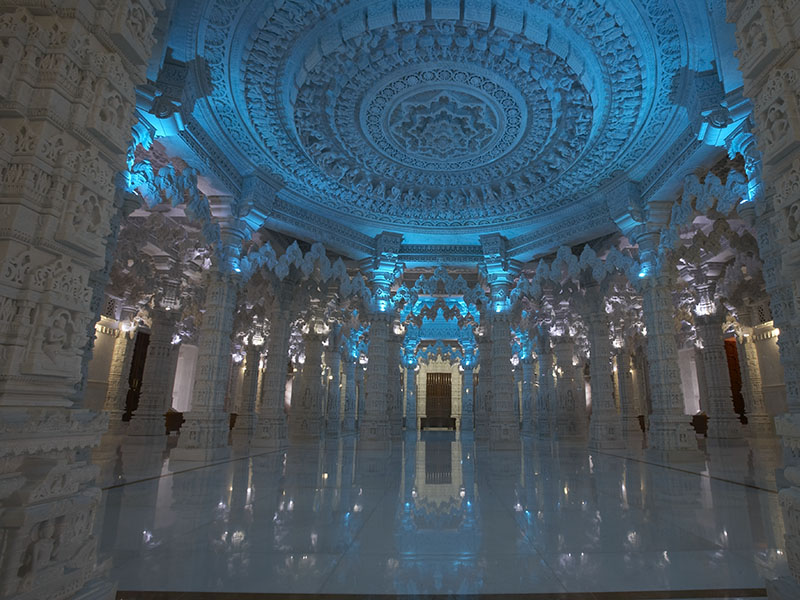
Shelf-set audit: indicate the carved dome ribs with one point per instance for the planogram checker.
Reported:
(412, 122)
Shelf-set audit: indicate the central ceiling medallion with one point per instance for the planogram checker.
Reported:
(442, 119)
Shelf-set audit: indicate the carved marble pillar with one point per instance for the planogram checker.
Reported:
(702, 386)
(305, 417)
(59, 159)
(526, 367)
(767, 35)
(246, 418)
(467, 405)
(570, 418)
(394, 382)
(272, 430)
(629, 407)
(156, 395)
(204, 433)
(484, 392)
(361, 371)
(411, 397)
(723, 423)
(759, 421)
(545, 399)
(334, 400)
(349, 417)
(374, 426)
(605, 426)
(503, 420)
(670, 429)
(118, 374)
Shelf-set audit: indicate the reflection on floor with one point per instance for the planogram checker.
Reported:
(442, 515)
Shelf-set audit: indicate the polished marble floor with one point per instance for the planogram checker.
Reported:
(442, 515)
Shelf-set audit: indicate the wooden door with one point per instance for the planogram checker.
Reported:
(437, 400)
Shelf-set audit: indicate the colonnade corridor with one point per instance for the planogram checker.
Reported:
(442, 513)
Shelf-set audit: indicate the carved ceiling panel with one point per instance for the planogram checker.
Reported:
(415, 115)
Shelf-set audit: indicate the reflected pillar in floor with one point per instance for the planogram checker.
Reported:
(605, 425)
(305, 417)
(723, 423)
(571, 400)
(246, 419)
(156, 395)
(627, 398)
(204, 433)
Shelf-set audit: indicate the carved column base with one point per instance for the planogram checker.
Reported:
(605, 432)
(348, 426)
(760, 426)
(725, 428)
(671, 433)
(147, 424)
(271, 433)
(245, 428)
(332, 427)
(570, 428)
(504, 435)
(541, 428)
(527, 428)
(204, 437)
(467, 424)
(396, 425)
(632, 430)
(305, 427)
(372, 429)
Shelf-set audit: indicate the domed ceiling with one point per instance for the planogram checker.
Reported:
(441, 120)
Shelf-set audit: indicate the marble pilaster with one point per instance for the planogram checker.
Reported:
(629, 406)
(156, 394)
(118, 373)
(272, 431)
(570, 418)
(204, 433)
(411, 398)
(759, 421)
(605, 425)
(374, 426)
(723, 423)
(247, 419)
(305, 418)
(545, 398)
(670, 429)
(349, 417)
(503, 420)
(333, 417)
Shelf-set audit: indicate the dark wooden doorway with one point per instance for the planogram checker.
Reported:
(438, 393)
(135, 375)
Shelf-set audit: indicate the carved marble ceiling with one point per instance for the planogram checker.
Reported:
(440, 119)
